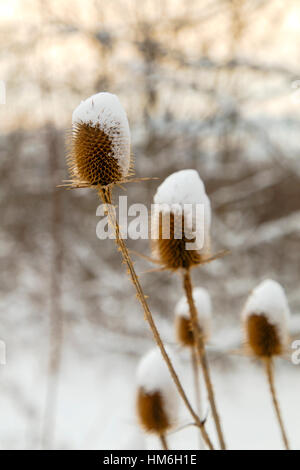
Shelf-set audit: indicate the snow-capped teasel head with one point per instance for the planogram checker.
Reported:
(181, 220)
(157, 396)
(184, 187)
(100, 147)
(266, 316)
(184, 331)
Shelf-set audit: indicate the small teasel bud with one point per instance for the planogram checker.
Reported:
(100, 141)
(184, 331)
(157, 398)
(177, 221)
(265, 318)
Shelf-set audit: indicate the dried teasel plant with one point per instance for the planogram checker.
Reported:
(100, 158)
(157, 399)
(173, 227)
(100, 143)
(265, 318)
(184, 331)
(181, 241)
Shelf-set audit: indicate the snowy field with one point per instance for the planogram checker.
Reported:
(96, 404)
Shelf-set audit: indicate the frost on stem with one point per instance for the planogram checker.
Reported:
(100, 141)
(182, 216)
(157, 397)
(265, 316)
(184, 330)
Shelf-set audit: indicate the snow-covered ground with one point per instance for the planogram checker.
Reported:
(96, 403)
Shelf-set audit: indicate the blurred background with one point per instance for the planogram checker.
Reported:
(207, 84)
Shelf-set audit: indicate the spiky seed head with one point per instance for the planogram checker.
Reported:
(100, 141)
(184, 331)
(157, 398)
(265, 318)
(151, 412)
(177, 222)
(263, 337)
(171, 250)
(183, 323)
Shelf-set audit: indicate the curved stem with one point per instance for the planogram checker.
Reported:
(202, 358)
(195, 366)
(106, 197)
(163, 441)
(270, 376)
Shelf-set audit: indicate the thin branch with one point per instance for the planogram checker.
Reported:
(105, 195)
(195, 366)
(270, 375)
(199, 343)
(163, 441)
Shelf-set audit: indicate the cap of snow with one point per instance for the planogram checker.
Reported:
(269, 299)
(153, 376)
(105, 111)
(184, 192)
(203, 305)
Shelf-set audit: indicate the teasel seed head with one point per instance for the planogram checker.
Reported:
(184, 332)
(176, 225)
(157, 399)
(100, 142)
(265, 317)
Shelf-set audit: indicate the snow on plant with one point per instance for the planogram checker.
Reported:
(100, 141)
(181, 222)
(265, 317)
(157, 398)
